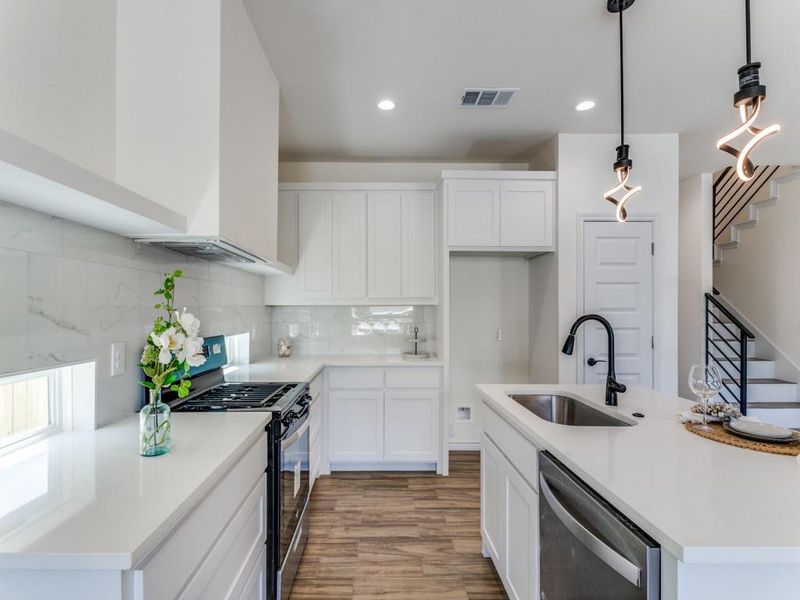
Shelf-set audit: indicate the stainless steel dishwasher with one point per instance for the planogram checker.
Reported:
(588, 550)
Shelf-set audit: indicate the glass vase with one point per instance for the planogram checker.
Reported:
(155, 436)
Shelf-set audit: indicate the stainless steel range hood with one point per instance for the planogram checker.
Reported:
(215, 249)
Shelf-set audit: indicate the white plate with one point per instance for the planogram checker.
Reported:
(764, 430)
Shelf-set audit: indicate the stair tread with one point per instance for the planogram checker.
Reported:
(756, 405)
(764, 381)
(749, 359)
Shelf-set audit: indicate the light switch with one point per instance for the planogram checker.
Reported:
(117, 359)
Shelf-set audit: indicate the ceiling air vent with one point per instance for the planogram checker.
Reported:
(484, 97)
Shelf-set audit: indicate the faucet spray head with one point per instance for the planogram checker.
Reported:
(569, 344)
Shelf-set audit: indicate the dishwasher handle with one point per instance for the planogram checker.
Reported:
(600, 549)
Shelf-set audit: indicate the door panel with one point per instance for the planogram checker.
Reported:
(522, 537)
(526, 213)
(474, 213)
(385, 245)
(419, 245)
(493, 504)
(315, 265)
(349, 244)
(618, 284)
(412, 424)
(355, 425)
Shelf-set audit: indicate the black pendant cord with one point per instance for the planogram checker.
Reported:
(622, 84)
(747, 28)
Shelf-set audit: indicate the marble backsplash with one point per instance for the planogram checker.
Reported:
(352, 330)
(68, 291)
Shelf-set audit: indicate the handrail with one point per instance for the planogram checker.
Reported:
(730, 315)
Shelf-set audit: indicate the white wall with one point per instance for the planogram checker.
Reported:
(544, 341)
(761, 278)
(584, 173)
(695, 276)
(57, 66)
(369, 172)
(249, 136)
(71, 291)
(486, 294)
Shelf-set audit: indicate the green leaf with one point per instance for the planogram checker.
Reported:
(177, 273)
(148, 384)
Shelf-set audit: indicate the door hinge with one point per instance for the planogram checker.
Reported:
(653, 342)
(652, 248)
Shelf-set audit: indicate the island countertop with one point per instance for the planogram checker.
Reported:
(87, 500)
(703, 501)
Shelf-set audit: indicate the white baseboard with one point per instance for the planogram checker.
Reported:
(464, 446)
(382, 466)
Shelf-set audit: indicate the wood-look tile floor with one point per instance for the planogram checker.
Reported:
(397, 536)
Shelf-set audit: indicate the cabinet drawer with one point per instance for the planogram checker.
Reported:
(225, 570)
(165, 572)
(422, 378)
(355, 378)
(519, 451)
(315, 387)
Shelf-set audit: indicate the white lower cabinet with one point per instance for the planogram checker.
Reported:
(371, 425)
(412, 425)
(315, 430)
(509, 523)
(355, 425)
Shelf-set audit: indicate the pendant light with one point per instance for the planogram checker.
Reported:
(623, 164)
(748, 101)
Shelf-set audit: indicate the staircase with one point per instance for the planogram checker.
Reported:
(737, 204)
(747, 379)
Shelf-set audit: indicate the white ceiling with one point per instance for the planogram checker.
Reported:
(336, 58)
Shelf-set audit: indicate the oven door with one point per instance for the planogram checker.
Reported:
(294, 481)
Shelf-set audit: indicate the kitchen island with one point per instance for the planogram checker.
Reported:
(725, 517)
(83, 516)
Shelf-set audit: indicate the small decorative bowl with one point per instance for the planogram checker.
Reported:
(717, 411)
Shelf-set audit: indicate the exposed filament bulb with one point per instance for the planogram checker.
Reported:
(748, 113)
(623, 174)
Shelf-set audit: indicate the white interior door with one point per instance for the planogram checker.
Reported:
(618, 284)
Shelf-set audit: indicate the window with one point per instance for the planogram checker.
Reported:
(237, 348)
(28, 405)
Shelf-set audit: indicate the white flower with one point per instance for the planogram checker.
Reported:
(192, 352)
(169, 343)
(189, 323)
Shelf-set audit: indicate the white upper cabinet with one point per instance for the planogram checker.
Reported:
(385, 244)
(526, 213)
(473, 213)
(357, 244)
(419, 244)
(314, 241)
(501, 211)
(349, 211)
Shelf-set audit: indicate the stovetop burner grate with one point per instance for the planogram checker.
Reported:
(238, 396)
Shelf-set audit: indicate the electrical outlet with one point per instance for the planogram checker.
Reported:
(117, 359)
(498, 335)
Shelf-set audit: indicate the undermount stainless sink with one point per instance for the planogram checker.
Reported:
(566, 411)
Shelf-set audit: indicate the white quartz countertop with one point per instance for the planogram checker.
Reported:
(305, 368)
(87, 500)
(703, 501)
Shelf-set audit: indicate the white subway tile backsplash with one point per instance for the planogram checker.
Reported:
(69, 291)
(351, 329)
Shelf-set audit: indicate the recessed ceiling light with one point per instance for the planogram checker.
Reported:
(585, 105)
(386, 105)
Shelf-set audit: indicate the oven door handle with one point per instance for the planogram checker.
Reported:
(594, 544)
(295, 436)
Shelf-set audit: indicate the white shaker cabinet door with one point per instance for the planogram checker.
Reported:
(419, 245)
(526, 213)
(473, 211)
(522, 537)
(355, 425)
(349, 244)
(385, 245)
(493, 515)
(412, 425)
(314, 241)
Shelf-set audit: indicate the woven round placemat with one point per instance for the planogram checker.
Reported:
(721, 435)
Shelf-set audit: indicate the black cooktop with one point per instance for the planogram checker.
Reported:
(239, 396)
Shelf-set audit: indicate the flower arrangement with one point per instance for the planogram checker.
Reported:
(172, 348)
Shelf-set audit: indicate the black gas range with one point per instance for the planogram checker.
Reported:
(288, 486)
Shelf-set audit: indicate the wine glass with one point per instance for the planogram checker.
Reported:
(705, 383)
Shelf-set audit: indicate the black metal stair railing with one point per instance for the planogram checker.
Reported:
(732, 196)
(729, 340)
